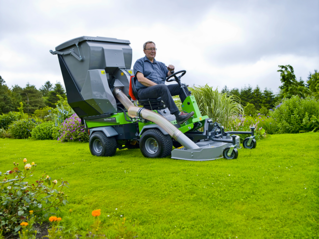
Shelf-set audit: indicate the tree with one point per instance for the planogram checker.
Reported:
(52, 96)
(257, 98)
(290, 86)
(6, 103)
(268, 99)
(246, 95)
(16, 96)
(313, 84)
(46, 88)
(32, 99)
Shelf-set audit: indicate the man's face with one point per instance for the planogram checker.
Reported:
(150, 51)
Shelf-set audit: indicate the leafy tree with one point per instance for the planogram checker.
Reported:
(32, 99)
(257, 98)
(235, 92)
(46, 88)
(53, 95)
(290, 86)
(246, 95)
(268, 100)
(6, 103)
(313, 84)
(225, 90)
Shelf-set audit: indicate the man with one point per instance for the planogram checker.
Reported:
(151, 75)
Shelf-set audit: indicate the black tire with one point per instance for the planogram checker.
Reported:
(252, 144)
(233, 155)
(100, 145)
(154, 144)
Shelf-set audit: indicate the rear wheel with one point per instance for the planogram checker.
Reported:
(100, 145)
(154, 144)
(233, 155)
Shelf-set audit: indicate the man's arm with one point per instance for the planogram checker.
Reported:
(143, 80)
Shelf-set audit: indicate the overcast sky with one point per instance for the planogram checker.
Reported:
(218, 42)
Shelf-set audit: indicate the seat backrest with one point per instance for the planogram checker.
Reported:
(132, 89)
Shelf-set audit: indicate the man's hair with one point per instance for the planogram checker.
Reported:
(144, 45)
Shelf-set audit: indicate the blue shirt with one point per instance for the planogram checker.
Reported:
(156, 71)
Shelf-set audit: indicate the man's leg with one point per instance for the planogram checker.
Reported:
(159, 91)
(175, 89)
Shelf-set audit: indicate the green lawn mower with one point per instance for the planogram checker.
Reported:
(101, 90)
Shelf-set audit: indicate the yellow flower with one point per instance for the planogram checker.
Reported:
(96, 213)
(24, 224)
(32, 163)
(31, 212)
(55, 181)
(27, 166)
(25, 160)
(70, 210)
(48, 176)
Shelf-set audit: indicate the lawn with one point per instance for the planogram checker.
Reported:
(268, 192)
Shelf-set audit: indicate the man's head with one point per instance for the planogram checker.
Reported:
(149, 50)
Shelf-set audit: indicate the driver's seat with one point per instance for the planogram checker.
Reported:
(151, 103)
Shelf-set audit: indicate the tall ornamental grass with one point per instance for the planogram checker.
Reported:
(218, 106)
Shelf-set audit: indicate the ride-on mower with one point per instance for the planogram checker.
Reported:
(101, 90)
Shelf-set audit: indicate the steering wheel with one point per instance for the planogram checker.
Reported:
(177, 78)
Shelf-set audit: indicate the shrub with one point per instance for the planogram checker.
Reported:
(244, 124)
(296, 115)
(44, 113)
(72, 130)
(250, 109)
(19, 199)
(4, 133)
(7, 119)
(43, 131)
(21, 129)
(218, 106)
(61, 112)
(263, 110)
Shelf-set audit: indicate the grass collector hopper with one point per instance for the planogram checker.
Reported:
(100, 89)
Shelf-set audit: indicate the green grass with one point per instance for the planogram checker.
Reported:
(269, 192)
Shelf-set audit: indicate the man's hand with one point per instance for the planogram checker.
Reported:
(170, 68)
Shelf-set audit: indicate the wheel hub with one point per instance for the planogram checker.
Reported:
(97, 146)
(151, 145)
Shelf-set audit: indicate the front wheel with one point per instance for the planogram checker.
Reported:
(233, 155)
(154, 144)
(100, 145)
(252, 145)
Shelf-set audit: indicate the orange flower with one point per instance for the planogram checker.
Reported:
(24, 224)
(59, 219)
(53, 219)
(96, 213)
(25, 160)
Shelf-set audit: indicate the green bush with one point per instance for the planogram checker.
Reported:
(296, 115)
(43, 131)
(21, 129)
(72, 130)
(4, 133)
(20, 199)
(250, 110)
(44, 113)
(7, 119)
(244, 123)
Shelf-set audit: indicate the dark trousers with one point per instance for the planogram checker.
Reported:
(165, 92)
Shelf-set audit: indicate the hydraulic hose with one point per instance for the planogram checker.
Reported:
(134, 111)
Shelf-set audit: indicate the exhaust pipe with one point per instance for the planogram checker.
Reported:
(135, 111)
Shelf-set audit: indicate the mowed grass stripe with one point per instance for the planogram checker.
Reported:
(268, 192)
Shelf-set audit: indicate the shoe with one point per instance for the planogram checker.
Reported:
(182, 117)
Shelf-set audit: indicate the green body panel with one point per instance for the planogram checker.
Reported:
(190, 105)
(115, 119)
